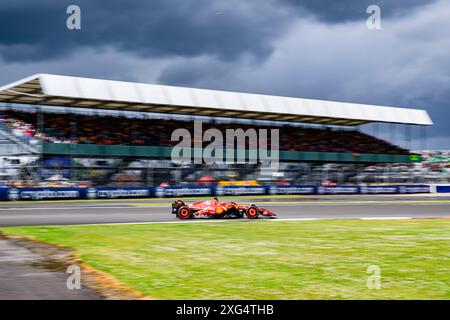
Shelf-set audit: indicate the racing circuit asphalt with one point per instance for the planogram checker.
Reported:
(158, 210)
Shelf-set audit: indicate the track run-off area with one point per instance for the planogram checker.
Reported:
(288, 208)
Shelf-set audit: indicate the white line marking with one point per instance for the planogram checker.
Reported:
(148, 222)
(75, 208)
(296, 219)
(385, 218)
(231, 220)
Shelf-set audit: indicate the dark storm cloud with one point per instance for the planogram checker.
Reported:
(405, 64)
(186, 74)
(36, 30)
(313, 48)
(351, 10)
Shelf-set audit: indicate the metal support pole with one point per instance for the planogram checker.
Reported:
(391, 133)
(73, 134)
(41, 130)
(408, 137)
(394, 134)
(423, 138)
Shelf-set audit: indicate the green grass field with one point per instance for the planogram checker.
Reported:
(325, 259)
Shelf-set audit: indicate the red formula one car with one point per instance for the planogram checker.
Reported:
(216, 209)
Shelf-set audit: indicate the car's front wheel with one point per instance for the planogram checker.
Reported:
(184, 213)
(252, 213)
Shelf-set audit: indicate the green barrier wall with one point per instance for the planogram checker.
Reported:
(95, 150)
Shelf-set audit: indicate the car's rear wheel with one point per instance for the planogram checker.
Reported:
(252, 213)
(184, 213)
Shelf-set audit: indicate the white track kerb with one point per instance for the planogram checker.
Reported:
(247, 221)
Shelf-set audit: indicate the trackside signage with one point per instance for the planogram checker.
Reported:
(162, 192)
(43, 194)
(234, 191)
(34, 194)
(378, 189)
(413, 189)
(292, 190)
(443, 189)
(338, 190)
(116, 193)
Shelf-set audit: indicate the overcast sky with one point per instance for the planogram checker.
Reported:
(302, 48)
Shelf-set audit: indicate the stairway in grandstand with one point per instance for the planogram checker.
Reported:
(10, 145)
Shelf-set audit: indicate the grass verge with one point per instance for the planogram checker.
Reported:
(325, 259)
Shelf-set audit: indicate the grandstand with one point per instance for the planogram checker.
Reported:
(109, 130)
(79, 131)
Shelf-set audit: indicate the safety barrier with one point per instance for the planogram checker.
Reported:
(440, 188)
(31, 194)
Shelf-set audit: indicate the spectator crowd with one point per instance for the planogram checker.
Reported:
(112, 130)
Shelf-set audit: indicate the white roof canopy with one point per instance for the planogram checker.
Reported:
(67, 91)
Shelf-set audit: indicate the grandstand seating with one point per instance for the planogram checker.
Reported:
(111, 130)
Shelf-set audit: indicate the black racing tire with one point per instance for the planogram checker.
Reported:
(184, 213)
(252, 212)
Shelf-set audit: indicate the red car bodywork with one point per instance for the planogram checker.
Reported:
(216, 209)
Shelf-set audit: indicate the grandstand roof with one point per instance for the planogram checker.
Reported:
(68, 91)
